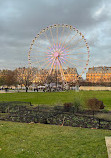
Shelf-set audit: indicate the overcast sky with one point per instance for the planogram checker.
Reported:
(21, 20)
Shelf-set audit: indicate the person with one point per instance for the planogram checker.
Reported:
(6, 89)
(26, 89)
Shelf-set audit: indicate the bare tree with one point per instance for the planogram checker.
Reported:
(24, 77)
(8, 77)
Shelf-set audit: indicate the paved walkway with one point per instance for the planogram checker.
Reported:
(108, 144)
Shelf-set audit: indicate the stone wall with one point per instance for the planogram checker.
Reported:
(94, 88)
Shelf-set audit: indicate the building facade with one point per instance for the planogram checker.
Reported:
(99, 74)
(69, 75)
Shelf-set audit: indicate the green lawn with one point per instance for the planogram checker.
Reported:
(21, 140)
(58, 97)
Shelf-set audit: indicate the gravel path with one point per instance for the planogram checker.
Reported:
(108, 144)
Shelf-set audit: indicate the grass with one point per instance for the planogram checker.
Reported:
(21, 140)
(104, 116)
(58, 97)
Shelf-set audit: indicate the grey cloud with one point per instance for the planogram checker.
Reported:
(20, 21)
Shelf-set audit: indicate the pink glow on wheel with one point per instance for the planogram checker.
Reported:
(56, 54)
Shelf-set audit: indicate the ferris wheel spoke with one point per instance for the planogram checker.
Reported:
(57, 36)
(47, 62)
(52, 66)
(62, 35)
(76, 59)
(70, 40)
(57, 68)
(74, 49)
(47, 48)
(38, 46)
(57, 71)
(66, 70)
(74, 54)
(61, 70)
(73, 64)
(66, 38)
(54, 70)
(39, 61)
(52, 36)
(37, 56)
(74, 43)
(48, 51)
(78, 53)
(79, 47)
(47, 38)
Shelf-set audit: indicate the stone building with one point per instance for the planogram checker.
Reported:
(71, 74)
(99, 74)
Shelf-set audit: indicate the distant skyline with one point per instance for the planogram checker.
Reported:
(21, 20)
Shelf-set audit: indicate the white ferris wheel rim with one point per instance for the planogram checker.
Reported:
(57, 54)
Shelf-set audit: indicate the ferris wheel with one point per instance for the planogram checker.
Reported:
(57, 48)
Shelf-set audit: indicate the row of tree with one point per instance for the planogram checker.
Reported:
(25, 77)
(8, 78)
(15, 77)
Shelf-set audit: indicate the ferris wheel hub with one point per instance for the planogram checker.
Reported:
(56, 54)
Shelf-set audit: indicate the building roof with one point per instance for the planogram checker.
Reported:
(100, 69)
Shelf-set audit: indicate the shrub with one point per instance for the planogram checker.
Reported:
(59, 109)
(67, 107)
(76, 105)
(95, 105)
